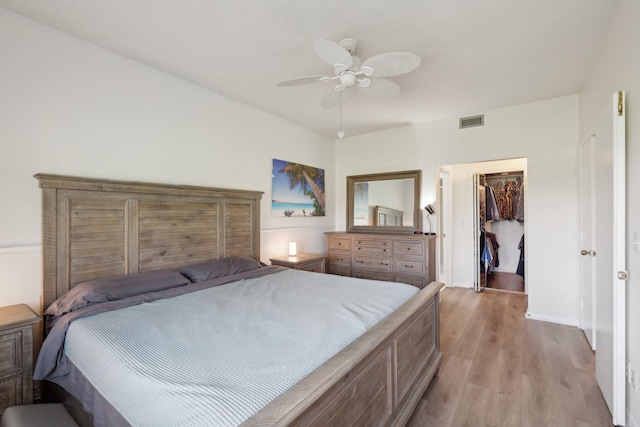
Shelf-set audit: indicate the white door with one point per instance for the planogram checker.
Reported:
(587, 238)
(445, 274)
(609, 157)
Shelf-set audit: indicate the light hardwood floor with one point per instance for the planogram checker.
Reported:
(500, 369)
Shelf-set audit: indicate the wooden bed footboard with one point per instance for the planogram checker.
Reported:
(375, 381)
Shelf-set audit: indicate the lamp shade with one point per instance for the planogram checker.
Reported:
(293, 250)
(430, 209)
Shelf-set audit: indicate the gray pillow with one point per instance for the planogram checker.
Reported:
(218, 268)
(115, 288)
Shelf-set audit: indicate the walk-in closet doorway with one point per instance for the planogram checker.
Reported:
(475, 265)
(499, 227)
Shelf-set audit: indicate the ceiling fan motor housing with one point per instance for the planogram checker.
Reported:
(349, 44)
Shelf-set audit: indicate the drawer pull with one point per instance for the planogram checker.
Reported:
(408, 266)
(384, 263)
(408, 249)
(359, 261)
(339, 259)
(384, 250)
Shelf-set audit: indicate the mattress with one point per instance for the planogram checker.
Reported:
(218, 355)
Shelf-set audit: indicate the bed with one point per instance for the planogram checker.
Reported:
(94, 229)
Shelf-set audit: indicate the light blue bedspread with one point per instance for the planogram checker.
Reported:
(216, 356)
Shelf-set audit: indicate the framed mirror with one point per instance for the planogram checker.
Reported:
(384, 202)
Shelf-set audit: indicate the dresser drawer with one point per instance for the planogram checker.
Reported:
(376, 243)
(10, 353)
(417, 281)
(370, 275)
(407, 247)
(380, 264)
(407, 266)
(339, 270)
(374, 250)
(339, 244)
(340, 259)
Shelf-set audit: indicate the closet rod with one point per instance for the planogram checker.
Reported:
(502, 175)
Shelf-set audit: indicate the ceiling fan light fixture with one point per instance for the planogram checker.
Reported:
(367, 71)
(364, 82)
(347, 80)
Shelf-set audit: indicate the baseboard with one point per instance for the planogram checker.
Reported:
(631, 422)
(460, 285)
(552, 319)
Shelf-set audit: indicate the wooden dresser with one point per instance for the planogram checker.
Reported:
(16, 355)
(402, 258)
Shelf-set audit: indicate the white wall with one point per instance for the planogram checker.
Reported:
(68, 107)
(545, 133)
(618, 68)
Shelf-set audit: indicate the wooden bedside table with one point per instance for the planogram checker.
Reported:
(16, 355)
(306, 262)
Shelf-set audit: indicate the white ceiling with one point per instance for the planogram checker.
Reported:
(476, 55)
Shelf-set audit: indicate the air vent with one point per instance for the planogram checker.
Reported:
(469, 122)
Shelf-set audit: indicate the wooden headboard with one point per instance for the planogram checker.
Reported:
(95, 228)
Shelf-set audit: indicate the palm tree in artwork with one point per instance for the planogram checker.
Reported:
(307, 177)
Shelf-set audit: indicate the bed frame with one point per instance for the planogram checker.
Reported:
(95, 228)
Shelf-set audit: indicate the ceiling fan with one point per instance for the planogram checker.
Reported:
(349, 71)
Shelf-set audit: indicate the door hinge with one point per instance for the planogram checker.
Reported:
(619, 103)
(623, 275)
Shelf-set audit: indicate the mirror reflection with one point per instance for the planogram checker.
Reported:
(384, 202)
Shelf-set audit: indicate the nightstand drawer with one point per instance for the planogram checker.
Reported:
(16, 355)
(306, 262)
(10, 392)
(315, 267)
(10, 353)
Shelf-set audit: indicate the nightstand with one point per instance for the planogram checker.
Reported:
(306, 262)
(16, 355)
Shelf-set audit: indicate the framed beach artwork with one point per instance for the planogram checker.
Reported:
(297, 190)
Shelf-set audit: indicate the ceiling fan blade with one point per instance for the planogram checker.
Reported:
(382, 88)
(332, 98)
(302, 81)
(332, 53)
(392, 63)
